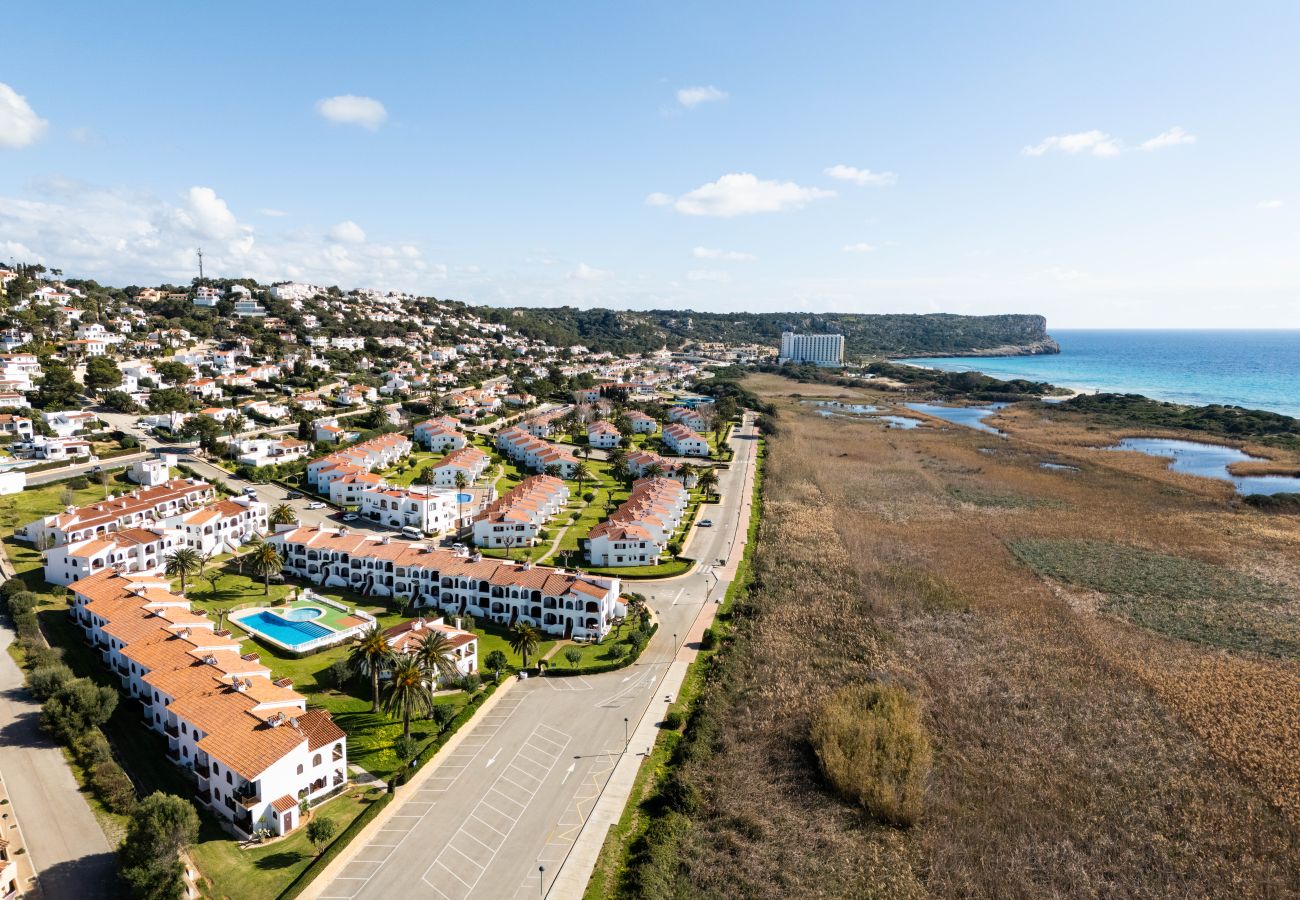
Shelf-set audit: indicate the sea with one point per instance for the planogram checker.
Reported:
(1253, 369)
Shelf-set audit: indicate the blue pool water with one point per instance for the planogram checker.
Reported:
(464, 498)
(302, 613)
(288, 632)
(1254, 369)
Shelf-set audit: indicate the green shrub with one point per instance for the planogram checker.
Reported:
(39, 655)
(21, 602)
(46, 681)
(673, 720)
(93, 749)
(113, 786)
(78, 706)
(709, 639)
(78, 484)
(27, 625)
(874, 749)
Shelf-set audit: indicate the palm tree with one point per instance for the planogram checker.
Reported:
(283, 514)
(369, 654)
(553, 470)
(407, 693)
(182, 563)
(267, 562)
(654, 470)
(461, 483)
(637, 609)
(582, 474)
(234, 425)
(435, 657)
(621, 472)
(708, 482)
(523, 640)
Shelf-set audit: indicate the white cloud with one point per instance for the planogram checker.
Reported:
(728, 255)
(348, 232)
(126, 237)
(1171, 138)
(1095, 142)
(585, 272)
(1270, 204)
(19, 124)
(740, 194)
(85, 136)
(708, 275)
(861, 177)
(348, 109)
(691, 97)
(860, 247)
(273, 213)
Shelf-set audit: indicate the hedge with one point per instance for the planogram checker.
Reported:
(600, 668)
(346, 836)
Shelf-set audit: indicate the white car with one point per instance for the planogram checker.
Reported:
(349, 517)
(316, 504)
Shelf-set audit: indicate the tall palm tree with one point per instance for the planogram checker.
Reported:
(435, 657)
(283, 514)
(267, 562)
(523, 640)
(407, 693)
(461, 483)
(582, 474)
(370, 653)
(708, 482)
(182, 563)
(621, 472)
(654, 470)
(234, 425)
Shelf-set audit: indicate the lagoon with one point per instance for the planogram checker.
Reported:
(1210, 461)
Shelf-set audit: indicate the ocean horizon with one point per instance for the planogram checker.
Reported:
(1252, 368)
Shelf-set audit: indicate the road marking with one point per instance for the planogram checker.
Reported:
(493, 759)
(568, 772)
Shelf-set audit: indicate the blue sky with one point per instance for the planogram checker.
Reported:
(757, 156)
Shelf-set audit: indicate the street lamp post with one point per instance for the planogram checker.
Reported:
(625, 738)
(541, 881)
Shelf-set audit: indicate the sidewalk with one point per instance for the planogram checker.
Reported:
(572, 879)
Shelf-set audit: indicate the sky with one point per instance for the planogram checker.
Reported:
(1104, 164)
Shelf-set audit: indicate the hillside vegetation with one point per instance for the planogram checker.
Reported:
(628, 331)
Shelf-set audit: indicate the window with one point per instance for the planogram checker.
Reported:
(315, 760)
(299, 768)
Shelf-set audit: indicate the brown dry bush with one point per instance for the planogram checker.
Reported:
(874, 749)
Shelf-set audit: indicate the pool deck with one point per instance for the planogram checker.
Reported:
(331, 619)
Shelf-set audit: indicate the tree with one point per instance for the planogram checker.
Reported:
(283, 514)
(120, 401)
(175, 372)
(234, 424)
(58, 387)
(102, 374)
(523, 640)
(407, 692)
(170, 400)
(574, 656)
(435, 657)
(161, 826)
(582, 474)
(321, 831)
(182, 563)
(77, 707)
(370, 653)
(496, 661)
(462, 482)
(266, 562)
(553, 470)
(654, 470)
(708, 482)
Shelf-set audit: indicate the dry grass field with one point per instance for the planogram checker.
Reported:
(1106, 660)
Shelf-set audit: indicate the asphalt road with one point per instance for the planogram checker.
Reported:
(517, 790)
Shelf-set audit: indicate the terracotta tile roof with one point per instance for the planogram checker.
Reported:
(319, 728)
(284, 804)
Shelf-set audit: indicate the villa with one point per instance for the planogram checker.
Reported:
(683, 441)
(408, 636)
(140, 507)
(439, 434)
(603, 436)
(640, 529)
(515, 518)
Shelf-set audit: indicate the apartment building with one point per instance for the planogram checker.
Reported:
(463, 645)
(254, 749)
(819, 349)
(561, 603)
(138, 508)
(377, 453)
(638, 532)
(515, 518)
(535, 453)
(439, 435)
(468, 461)
(603, 436)
(430, 510)
(683, 441)
(641, 423)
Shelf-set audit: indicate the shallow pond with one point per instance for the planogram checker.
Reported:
(968, 416)
(898, 421)
(1210, 461)
(858, 409)
(1058, 467)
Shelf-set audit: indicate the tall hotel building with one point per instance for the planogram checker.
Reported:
(820, 349)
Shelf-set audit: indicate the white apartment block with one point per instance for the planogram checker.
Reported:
(684, 441)
(468, 461)
(603, 436)
(819, 349)
(463, 645)
(642, 424)
(560, 603)
(270, 452)
(515, 518)
(640, 529)
(377, 453)
(254, 749)
(536, 453)
(432, 511)
(439, 435)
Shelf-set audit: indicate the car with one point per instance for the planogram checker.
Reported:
(411, 531)
(293, 495)
(316, 504)
(706, 523)
(250, 491)
(349, 517)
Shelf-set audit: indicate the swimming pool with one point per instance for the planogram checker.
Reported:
(302, 613)
(464, 498)
(282, 628)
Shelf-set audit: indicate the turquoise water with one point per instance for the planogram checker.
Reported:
(464, 498)
(1254, 369)
(1210, 461)
(287, 632)
(302, 613)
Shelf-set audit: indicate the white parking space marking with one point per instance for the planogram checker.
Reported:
(469, 852)
(574, 683)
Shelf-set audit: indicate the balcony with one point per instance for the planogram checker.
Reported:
(247, 798)
(171, 731)
(202, 769)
